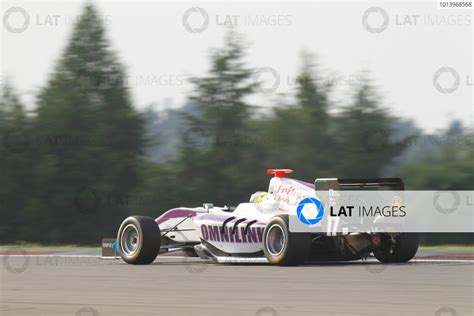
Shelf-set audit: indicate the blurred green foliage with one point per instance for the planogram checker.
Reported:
(74, 169)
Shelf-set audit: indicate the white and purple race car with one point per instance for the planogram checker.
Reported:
(258, 230)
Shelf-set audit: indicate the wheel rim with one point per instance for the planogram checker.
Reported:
(130, 240)
(276, 240)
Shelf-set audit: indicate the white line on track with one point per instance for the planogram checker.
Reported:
(442, 260)
(81, 256)
(51, 255)
(420, 260)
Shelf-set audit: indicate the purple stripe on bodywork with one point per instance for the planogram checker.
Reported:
(221, 218)
(175, 213)
(309, 185)
(215, 217)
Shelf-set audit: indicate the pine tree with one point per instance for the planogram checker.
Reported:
(15, 164)
(89, 138)
(216, 146)
(303, 127)
(364, 137)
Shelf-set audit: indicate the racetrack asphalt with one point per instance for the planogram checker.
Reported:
(174, 285)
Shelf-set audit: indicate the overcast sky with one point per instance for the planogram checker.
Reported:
(419, 56)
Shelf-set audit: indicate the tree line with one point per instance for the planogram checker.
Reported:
(75, 167)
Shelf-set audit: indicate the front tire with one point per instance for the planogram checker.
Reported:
(397, 248)
(139, 240)
(281, 247)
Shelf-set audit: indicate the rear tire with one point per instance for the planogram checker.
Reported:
(401, 248)
(139, 240)
(283, 248)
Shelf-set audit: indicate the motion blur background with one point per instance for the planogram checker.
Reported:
(113, 108)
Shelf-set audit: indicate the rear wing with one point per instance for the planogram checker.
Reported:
(377, 184)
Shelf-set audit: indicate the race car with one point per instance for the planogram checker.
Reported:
(258, 231)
